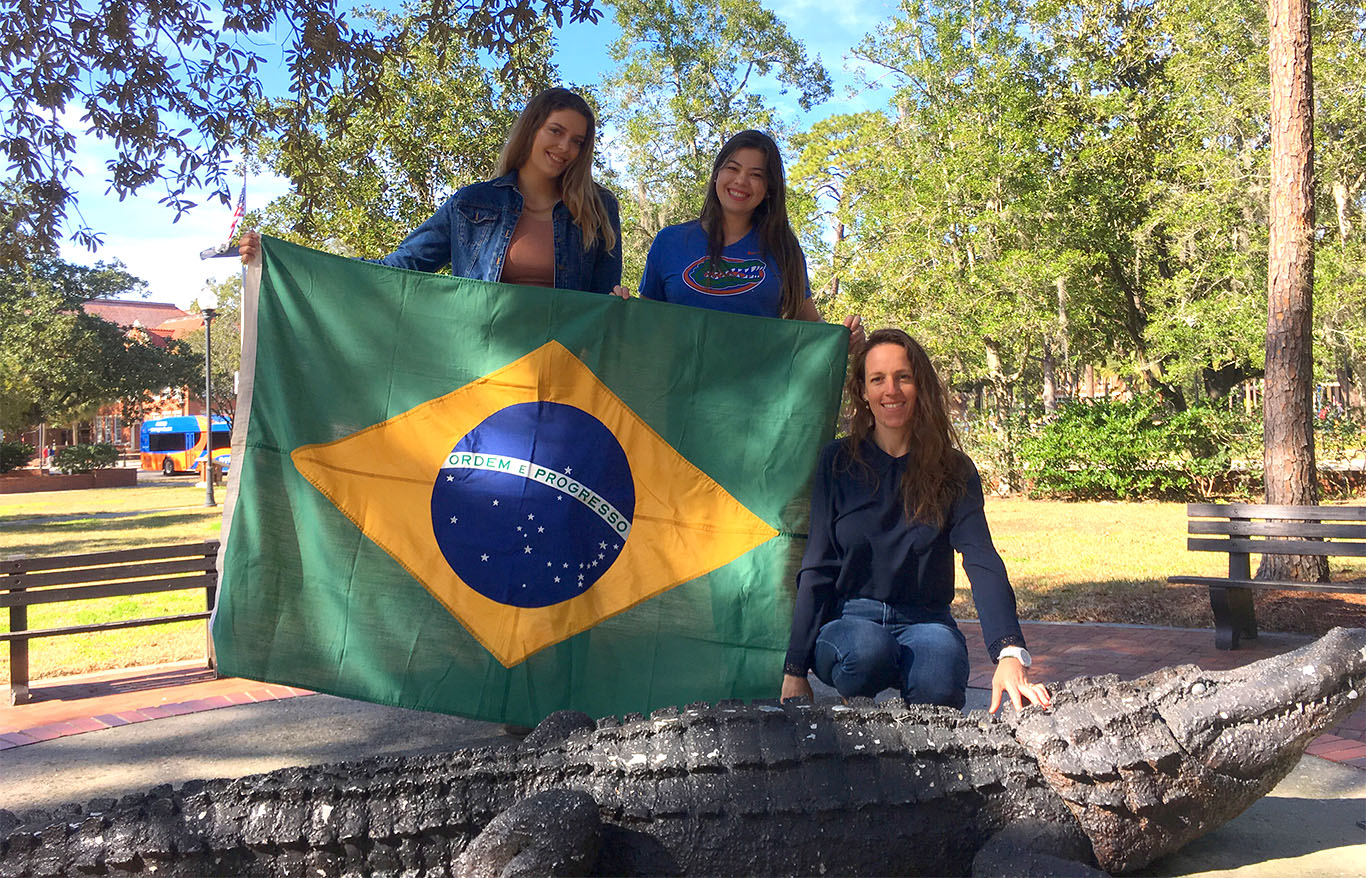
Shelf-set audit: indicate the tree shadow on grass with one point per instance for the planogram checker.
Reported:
(71, 535)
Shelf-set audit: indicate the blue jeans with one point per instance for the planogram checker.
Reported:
(875, 646)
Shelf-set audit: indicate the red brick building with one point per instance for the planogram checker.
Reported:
(159, 321)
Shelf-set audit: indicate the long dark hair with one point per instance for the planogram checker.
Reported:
(935, 473)
(578, 191)
(775, 232)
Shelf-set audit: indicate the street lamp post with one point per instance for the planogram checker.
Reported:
(209, 308)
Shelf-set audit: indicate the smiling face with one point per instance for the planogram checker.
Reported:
(889, 390)
(742, 182)
(557, 144)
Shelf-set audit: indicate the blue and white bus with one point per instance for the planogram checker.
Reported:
(179, 444)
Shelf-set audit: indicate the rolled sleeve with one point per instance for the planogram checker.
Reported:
(991, 592)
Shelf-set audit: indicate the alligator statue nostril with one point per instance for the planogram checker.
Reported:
(1115, 775)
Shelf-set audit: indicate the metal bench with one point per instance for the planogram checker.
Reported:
(26, 582)
(1243, 529)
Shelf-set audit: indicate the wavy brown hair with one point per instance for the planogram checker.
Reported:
(580, 194)
(770, 218)
(935, 473)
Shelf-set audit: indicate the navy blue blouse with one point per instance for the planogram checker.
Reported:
(861, 546)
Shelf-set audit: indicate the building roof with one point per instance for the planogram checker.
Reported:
(159, 318)
(179, 327)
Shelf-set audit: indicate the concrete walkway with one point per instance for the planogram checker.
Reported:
(1061, 651)
(105, 735)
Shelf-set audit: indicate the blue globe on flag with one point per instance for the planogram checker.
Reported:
(534, 504)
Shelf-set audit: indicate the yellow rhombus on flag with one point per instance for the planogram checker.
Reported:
(475, 494)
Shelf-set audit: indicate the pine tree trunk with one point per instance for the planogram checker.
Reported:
(1288, 405)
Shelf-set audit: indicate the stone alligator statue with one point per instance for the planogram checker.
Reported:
(1114, 775)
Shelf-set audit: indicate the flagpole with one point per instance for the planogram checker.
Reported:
(208, 311)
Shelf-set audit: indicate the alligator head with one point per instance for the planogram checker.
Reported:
(1148, 765)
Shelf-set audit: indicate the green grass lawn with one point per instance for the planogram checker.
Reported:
(1109, 562)
(1072, 562)
(161, 512)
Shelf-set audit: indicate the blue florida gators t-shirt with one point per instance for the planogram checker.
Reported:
(746, 281)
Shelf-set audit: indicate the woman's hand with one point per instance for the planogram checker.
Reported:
(621, 291)
(854, 323)
(1010, 677)
(796, 687)
(249, 245)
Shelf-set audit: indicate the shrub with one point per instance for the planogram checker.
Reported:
(1338, 435)
(85, 458)
(1132, 450)
(14, 455)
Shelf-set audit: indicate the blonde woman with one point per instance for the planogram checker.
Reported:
(541, 222)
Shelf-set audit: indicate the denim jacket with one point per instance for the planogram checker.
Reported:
(472, 230)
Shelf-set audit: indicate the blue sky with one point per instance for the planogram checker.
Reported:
(140, 232)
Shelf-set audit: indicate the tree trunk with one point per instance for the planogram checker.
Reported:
(650, 223)
(1291, 478)
(1050, 384)
(1003, 389)
(1064, 355)
(835, 261)
(1340, 199)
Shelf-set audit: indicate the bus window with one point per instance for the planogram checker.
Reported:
(162, 443)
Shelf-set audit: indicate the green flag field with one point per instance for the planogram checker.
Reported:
(501, 501)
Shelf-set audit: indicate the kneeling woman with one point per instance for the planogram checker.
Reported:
(890, 504)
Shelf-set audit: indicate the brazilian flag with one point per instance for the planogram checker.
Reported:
(501, 501)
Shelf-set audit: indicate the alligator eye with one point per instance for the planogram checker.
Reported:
(1199, 689)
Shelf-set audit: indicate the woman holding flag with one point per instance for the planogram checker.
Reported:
(741, 254)
(890, 505)
(542, 221)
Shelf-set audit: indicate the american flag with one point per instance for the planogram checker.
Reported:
(238, 211)
(226, 249)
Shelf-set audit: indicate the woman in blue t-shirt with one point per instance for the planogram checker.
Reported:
(741, 254)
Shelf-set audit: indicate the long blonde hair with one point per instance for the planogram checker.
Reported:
(936, 472)
(579, 193)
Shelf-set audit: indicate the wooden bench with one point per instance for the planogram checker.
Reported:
(26, 582)
(1243, 529)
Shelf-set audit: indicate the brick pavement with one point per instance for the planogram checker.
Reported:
(92, 702)
(78, 705)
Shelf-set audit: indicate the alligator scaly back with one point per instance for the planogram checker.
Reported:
(1122, 772)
